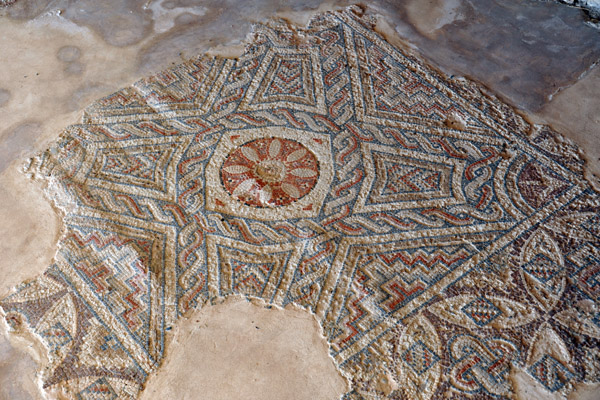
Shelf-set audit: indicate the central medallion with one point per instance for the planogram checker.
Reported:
(270, 172)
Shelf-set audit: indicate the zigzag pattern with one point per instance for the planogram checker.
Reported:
(392, 90)
(250, 279)
(120, 278)
(421, 257)
(287, 79)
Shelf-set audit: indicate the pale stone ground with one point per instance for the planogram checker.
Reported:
(294, 357)
(57, 56)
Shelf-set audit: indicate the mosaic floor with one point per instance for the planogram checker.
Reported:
(439, 239)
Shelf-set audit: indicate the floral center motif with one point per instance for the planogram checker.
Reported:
(270, 172)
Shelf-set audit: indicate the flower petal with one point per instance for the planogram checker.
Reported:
(244, 188)
(250, 153)
(296, 155)
(290, 190)
(274, 148)
(303, 172)
(236, 169)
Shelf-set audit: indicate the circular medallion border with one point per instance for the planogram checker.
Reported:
(270, 172)
(281, 187)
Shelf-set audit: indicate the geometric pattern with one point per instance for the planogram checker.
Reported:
(419, 357)
(438, 238)
(587, 270)
(481, 311)
(593, 225)
(406, 178)
(551, 373)
(56, 336)
(481, 365)
(538, 185)
(99, 390)
(397, 179)
(589, 279)
(287, 76)
(249, 278)
(541, 268)
(259, 271)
